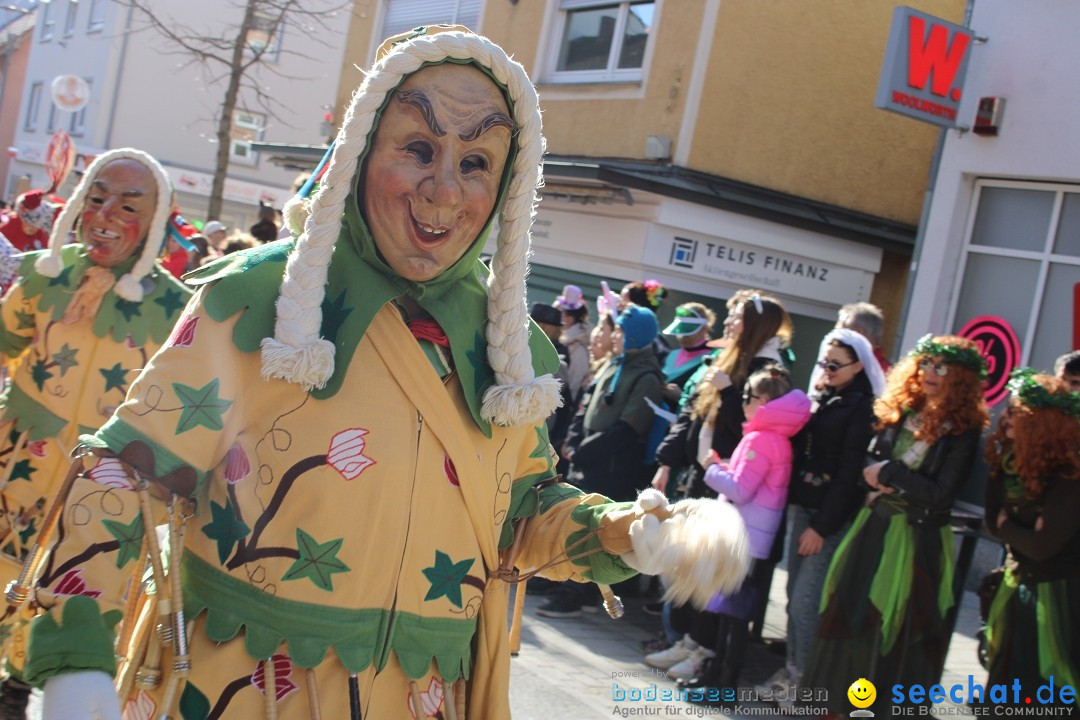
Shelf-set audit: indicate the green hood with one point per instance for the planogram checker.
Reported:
(359, 284)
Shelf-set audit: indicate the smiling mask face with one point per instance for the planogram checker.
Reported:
(436, 164)
(118, 211)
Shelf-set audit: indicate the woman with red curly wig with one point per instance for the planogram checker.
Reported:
(889, 586)
(1032, 502)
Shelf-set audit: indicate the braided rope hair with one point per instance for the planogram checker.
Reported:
(298, 354)
(129, 286)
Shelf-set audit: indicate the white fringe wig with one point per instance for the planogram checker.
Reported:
(297, 354)
(129, 286)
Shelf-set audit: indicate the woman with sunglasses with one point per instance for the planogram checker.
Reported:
(825, 487)
(1032, 502)
(889, 586)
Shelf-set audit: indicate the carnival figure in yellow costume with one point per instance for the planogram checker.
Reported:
(347, 429)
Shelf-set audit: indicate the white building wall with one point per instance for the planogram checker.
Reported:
(1030, 59)
(159, 103)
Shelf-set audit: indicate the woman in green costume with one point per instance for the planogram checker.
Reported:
(1032, 502)
(890, 584)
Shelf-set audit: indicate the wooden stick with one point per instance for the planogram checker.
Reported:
(270, 680)
(519, 612)
(449, 699)
(418, 705)
(612, 603)
(312, 694)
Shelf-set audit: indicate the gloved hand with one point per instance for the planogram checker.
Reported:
(699, 546)
(82, 695)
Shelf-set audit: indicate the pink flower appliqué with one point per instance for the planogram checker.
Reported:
(184, 332)
(431, 699)
(451, 471)
(37, 448)
(237, 466)
(140, 707)
(346, 453)
(283, 684)
(73, 584)
(110, 473)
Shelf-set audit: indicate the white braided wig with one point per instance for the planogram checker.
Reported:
(297, 354)
(129, 286)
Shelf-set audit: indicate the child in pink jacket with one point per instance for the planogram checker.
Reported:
(755, 480)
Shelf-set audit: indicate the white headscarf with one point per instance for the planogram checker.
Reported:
(863, 350)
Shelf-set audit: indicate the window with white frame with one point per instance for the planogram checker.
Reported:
(50, 124)
(47, 22)
(247, 127)
(96, 20)
(602, 41)
(402, 15)
(32, 106)
(72, 15)
(1021, 262)
(78, 118)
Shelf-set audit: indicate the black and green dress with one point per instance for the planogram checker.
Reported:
(1034, 633)
(889, 586)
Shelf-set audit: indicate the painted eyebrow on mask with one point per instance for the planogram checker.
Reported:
(420, 101)
(495, 119)
(100, 185)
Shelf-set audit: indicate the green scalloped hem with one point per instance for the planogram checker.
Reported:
(115, 435)
(358, 637)
(30, 415)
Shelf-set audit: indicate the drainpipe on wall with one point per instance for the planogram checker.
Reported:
(107, 145)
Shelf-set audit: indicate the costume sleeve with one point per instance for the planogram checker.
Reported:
(1060, 509)
(740, 481)
(578, 368)
(937, 491)
(672, 451)
(17, 322)
(178, 421)
(183, 412)
(560, 537)
(842, 493)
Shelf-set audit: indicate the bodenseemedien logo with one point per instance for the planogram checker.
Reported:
(862, 695)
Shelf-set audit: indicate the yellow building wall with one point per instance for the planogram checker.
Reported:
(357, 51)
(789, 104)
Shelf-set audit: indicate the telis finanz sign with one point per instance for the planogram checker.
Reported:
(925, 64)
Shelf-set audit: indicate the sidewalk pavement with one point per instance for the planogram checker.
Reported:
(568, 668)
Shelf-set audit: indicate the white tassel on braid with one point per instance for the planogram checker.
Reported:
(297, 354)
(129, 286)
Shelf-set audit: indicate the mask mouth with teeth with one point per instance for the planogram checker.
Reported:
(117, 212)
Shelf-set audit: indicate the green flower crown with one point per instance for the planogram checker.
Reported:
(1029, 392)
(952, 355)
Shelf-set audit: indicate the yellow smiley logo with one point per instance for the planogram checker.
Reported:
(862, 693)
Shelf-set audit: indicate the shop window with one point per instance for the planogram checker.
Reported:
(1021, 262)
(402, 15)
(602, 41)
(264, 36)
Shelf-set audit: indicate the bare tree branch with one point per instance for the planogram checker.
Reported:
(233, 59)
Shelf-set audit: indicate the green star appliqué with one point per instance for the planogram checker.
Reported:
(25, 320)
(446, 577)
(129, 536)
(129, 309)
(115, 377)
(171, 301)
(64, 278)
(225, 529)
(39, 374)
(318, 561)
(23, 470)
(201, 407)
(334, 314)
(65, 359)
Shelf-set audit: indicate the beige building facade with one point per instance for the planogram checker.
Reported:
(711, 144)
